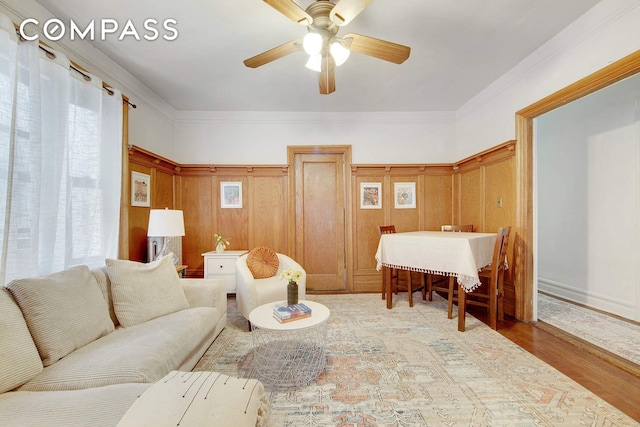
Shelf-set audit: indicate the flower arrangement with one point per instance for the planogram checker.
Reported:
(292, 275)
(221, 240)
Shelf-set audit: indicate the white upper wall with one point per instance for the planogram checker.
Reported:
(262, 138)
(605, 34)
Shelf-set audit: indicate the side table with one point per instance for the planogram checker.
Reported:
(222, 266)
(292, 353)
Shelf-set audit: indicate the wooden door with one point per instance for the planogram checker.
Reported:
(320, 190)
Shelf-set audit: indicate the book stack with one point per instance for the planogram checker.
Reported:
(289, 313)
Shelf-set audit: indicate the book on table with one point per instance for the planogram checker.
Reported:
(289, 313)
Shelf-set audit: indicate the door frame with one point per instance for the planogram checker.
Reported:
(345, 151)
(524, 250)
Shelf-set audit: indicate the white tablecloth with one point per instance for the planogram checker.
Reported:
(451, 254)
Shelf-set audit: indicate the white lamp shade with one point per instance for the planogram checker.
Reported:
(314, 63)
(312, 43)
(339, 53)
(165, 222)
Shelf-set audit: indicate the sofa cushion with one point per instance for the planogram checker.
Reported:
(263, 262)
(19, 358)
(95, 407)
(64, 311)
(102, 277)
(143, 292)
(142, 353)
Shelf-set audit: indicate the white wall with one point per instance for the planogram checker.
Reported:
(151, 125)
(262, 137)
(588, 172)
(606, 33)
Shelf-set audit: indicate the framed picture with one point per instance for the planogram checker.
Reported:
(371, 195)
(140, 189)
(405, 195)
(231, 195)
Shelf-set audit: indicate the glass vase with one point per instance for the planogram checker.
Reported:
(292, 293)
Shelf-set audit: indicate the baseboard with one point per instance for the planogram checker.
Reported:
(599, 301)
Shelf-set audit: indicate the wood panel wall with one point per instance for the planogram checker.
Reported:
(433, 207)
(466, 192)
(486, 197)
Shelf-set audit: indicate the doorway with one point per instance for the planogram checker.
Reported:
(318, 180)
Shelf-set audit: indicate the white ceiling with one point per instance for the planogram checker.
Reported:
(458, 47)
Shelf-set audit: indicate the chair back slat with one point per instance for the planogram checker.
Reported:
(458, 228)
(500, 252)
(386, 229)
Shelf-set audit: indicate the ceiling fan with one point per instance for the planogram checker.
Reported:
(326, 51)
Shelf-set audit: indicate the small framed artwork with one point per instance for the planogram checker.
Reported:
(405, 195)
(231, 195)
(140, 189)
(371, 195)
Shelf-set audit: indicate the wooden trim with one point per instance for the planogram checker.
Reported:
(487, 157)
(524, 243)
(404, 169)
(142, 157)
(125, 188)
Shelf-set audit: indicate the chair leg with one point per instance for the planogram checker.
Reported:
(452, 281)
(384, 282)
(501, 298)
(423, 285)
(493, 307)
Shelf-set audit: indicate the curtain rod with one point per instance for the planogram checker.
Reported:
(52, 55)
(77, 69)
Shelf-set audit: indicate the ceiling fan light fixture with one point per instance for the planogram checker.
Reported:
(340, 53)
(312, 43)
(315, 62)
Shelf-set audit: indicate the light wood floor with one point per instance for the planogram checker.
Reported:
(617, 384)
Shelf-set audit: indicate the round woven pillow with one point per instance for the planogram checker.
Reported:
(262, 262)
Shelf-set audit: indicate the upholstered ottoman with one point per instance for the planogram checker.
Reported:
(203, 398)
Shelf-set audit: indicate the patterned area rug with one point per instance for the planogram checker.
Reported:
(614, 335)
(411, 367)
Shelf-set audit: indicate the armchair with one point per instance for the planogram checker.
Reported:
(251, 292)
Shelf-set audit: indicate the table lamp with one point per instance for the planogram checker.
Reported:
(164, 223)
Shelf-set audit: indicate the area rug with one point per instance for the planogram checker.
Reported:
(411, 367)
(615, 335)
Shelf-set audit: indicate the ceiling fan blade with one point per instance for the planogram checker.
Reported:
(327, 76)
(291, 10)
(346, 10)
(380, 49)
(273, 54)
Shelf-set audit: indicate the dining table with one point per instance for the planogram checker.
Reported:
(458, 254)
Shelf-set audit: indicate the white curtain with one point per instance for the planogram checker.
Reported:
(60, 163)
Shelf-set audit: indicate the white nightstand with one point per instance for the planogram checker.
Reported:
(222, 266)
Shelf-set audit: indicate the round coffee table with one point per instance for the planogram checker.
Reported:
(292, 353)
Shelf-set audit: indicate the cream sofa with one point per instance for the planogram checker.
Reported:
(81, 346)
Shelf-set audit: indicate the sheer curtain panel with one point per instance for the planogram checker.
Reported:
(60, 163)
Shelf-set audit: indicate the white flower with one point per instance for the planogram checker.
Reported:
(291, 275)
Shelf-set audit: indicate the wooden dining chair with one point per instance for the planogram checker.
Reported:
(491, 293)
(394, 275)
(464, 228)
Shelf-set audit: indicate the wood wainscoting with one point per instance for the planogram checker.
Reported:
(479, 190)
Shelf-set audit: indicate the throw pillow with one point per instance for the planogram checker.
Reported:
(19, 358)
(64, 311)
(143, 292)
(263, 262)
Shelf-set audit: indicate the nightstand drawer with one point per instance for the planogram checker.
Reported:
(221, 266)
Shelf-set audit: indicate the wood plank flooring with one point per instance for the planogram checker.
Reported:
(613, 383)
